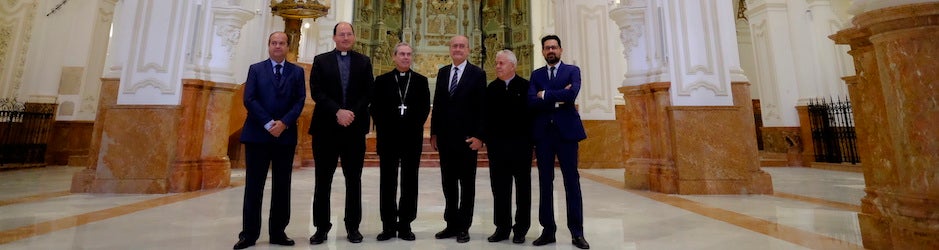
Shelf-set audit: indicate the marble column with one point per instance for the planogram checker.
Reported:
(162, 124)
(894, 45)
(684, 86)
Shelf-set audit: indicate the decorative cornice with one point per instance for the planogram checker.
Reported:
(162, 86)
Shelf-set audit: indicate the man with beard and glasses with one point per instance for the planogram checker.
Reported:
(557, 130)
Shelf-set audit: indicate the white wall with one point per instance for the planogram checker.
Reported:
(591, 41)
(794, 59)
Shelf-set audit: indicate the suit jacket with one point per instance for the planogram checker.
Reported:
(392, 128)
(265, 102)
(565, 116)
(326, 90)
(507, 113)
(459, 115)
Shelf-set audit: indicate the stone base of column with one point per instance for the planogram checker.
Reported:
(81, 181)
(896, 118)
(713, 151)
(216, 172)
(636, 174)
(159, 148)
(691, 149)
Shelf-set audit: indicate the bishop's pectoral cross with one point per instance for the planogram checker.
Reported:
(402, 108)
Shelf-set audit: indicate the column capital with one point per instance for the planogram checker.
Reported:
(228, 22)
(630, 17)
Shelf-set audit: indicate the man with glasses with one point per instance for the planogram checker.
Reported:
(557, 131)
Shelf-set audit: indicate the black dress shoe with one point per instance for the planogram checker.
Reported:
(406, 235)
(462, 237)
(498, 236)
(285, 241)
(580, 242)
(445, 233)
(354, 236)
(243, 243)
(318, 238)
(543, 240)
(518, 239)
(385, 235)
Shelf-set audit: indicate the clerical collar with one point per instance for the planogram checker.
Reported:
(344, 53)
(402, 73)
(508, 80)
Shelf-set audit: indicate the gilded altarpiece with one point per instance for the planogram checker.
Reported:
(428, 25)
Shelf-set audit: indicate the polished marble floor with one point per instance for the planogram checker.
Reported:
(812, 209)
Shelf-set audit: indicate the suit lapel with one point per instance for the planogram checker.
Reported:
(462, 80)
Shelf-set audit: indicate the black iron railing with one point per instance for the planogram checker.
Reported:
(833, 131)
(24, 133)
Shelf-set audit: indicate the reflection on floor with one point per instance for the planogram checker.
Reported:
(812, 209)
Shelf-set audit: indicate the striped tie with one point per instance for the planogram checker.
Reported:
(453, 81)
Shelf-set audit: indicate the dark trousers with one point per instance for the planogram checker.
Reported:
(510, 161)
(397, 216)
(258, 158)
(546, 149)
(458, 178)
(327, 150)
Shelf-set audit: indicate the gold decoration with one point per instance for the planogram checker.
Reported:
(298, 9)
(293, 11)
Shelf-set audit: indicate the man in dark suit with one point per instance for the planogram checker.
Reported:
(400, 105)
(508, 139)
(340, 84)
(455, 127)
(274, 96)
(557, 130)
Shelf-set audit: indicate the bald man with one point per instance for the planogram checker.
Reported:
(456, 124)
(340, 84)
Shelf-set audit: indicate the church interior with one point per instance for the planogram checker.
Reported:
(712, 124)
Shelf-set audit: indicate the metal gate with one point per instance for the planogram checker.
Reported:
(833, 131)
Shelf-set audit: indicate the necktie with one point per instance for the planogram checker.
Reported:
(277, 72)
(551, 73)
(453, 81)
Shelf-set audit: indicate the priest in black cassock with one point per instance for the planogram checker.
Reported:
(400, 106)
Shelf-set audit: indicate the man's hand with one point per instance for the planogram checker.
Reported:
(541, 94)
(474, 144)
(345, 117)
(433, 142)
(278, 128)
(567, 87)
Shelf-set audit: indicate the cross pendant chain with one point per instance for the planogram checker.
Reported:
(403, 96)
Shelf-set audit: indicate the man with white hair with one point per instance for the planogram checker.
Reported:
(508, 138)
